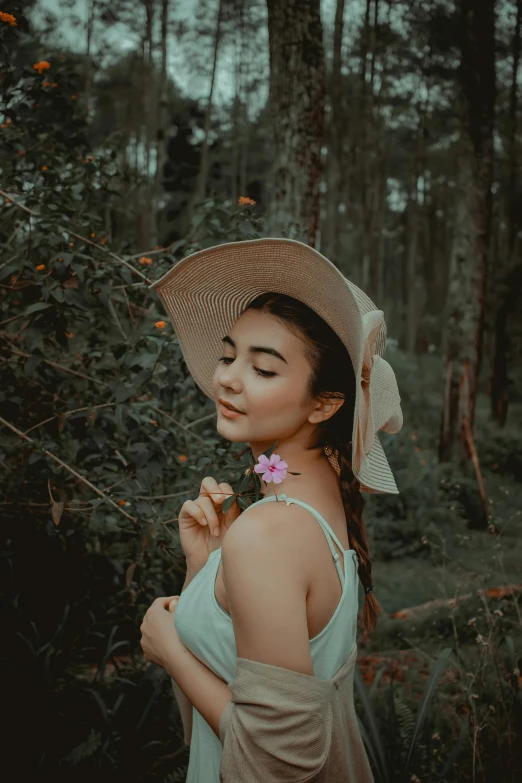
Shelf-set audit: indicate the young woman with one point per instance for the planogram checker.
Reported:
(290, 351)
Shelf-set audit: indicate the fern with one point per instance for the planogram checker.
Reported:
(177, 776)
(84, 749)
(405, 722)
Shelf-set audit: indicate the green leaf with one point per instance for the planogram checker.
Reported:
(376, 679)
(374, 732)
(511, 656)
(257, 485)
(439, 666)
(84, 749)
(36, 307)
(392, 718)
(244, 483)
(369, 748)
(31, 365)
(227, 503)
(121, 392)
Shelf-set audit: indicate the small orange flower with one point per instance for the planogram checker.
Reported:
(121, 502)
(93, 234)
(69, 334)
(182, 458)
(153, 421)
(160, 324)
(74, 97)
(41, 66)
(245, 201)
(7, 123)
(103, 241)
(21, 152)
(8, 18)
(40, 267)
(71, 244)
(145, 260)
(54, 84)
(44, 168)
(37, 105)
(47, 84)
(7, 200)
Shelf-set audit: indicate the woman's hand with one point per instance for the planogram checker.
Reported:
(202, 523)
(159, 638)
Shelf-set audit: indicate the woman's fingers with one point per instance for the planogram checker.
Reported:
(211, 489)
(209, 510)
(192, 509)
(226, 489)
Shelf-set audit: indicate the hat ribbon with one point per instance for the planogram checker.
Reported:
(364, 425)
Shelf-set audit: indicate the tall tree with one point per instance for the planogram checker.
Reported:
(201, 187)
(511, 272)
(463, 337)
(297, 112)
(336, 134)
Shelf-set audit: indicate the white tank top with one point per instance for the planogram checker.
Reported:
(206, 629)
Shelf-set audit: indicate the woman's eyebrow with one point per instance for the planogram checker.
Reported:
(256, 348)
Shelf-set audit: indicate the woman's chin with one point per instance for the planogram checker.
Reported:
(226, 428)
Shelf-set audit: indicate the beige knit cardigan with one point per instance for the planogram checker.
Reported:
(283, 725)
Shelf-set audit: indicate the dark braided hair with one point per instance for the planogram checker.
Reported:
(332, 377)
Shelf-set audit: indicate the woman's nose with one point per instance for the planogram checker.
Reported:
(229, 377)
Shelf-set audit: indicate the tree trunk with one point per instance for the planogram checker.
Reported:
(201, 187)
(161, 122)
(363, 145)
(463, 338)
(337, 132)
(88, 57)
(412, 294)
(297, 110)
(499, 380)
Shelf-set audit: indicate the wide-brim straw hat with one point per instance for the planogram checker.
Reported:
(206, 292)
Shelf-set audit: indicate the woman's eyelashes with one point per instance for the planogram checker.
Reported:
(263, 373)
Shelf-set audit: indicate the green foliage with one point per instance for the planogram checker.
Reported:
(105, 435)
(101, 442)
(406, 744)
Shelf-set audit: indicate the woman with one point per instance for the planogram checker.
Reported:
(272, 329)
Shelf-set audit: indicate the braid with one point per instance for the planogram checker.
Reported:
(354, 504)
(332, 377)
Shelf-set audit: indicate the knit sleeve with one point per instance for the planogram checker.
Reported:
(277, 726)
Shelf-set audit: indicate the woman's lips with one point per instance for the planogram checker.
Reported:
(230, 414)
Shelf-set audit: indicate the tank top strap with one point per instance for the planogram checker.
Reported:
(327, 530)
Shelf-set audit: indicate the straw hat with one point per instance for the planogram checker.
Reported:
(206, 292)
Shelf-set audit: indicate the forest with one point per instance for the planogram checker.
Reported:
(386, 134)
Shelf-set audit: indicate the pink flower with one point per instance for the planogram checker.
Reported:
(273, 469)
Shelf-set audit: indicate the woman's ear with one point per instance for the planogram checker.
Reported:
(325, 410)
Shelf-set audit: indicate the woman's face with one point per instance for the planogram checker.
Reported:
(268, 389)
